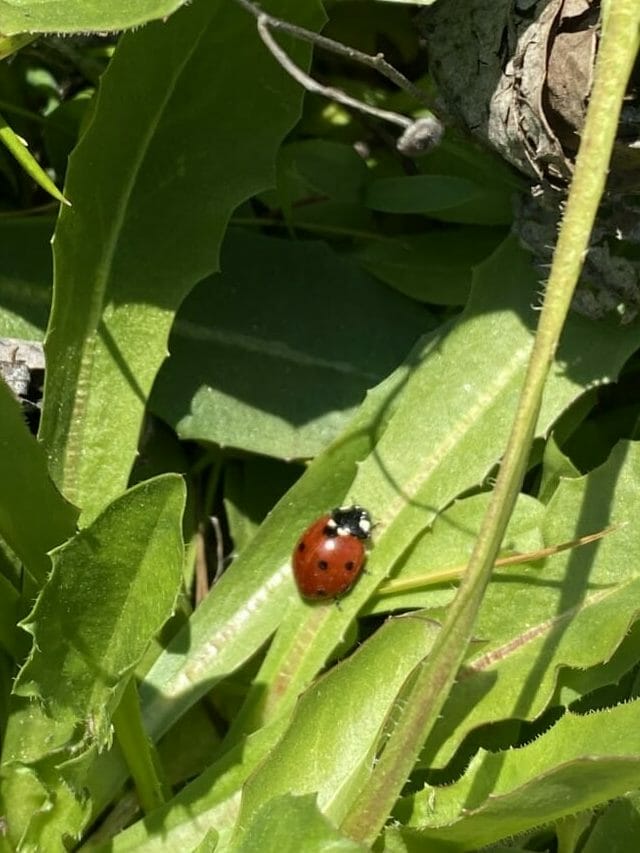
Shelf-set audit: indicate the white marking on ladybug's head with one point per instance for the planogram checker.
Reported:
(352, 521)
(364, 523)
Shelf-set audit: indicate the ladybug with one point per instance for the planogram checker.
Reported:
(329, 556)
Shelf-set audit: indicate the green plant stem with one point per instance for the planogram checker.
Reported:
(138, 751)
(423, 701)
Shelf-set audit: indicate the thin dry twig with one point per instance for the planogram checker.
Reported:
(377, 61)
(419, 135)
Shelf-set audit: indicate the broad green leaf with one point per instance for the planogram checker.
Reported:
(447, 197)
(322, 168)
(421, 440)
(187, 749)
(25, 277)
(446, 433)
(147, 220)
(338, 723)
(421, 193)
(213, 799)
(574, 611)
(263, 358)
(102, 580)
(581, 762)
(617, 828)
(435, 267)
(246, 605)
(577, 686)
(80, 16)
(111, 589)
(339, 703)
(288, 824)
(34, 518)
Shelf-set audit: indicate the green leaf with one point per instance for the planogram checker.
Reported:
(578, 685)
(112, 588)
(19, 150)
(443, 437)
(338, 723)
(447, 197)
(326, 168)
(25, 277)
(581, 762)
(80, 16)
(574, 611)
(263, 359)
(435, 267)
(555, 466)
(617, 828)
(34, 518)
(281, 825)
(246, 605)
(340, 703)
(420, 193)
(415, 448)
(147, 221)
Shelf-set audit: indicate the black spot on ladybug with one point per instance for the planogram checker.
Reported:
(301, 546)
(321, 593)
(349, 566)
(322, 564)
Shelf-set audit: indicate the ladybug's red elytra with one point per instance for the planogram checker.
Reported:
(330, 555)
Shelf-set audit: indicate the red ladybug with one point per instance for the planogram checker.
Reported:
(329, 556)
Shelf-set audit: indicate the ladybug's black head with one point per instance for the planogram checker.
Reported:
(351, 521)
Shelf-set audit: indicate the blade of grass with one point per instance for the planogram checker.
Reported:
(456, 572)
(423, 701)
(139, 752)
(19, 150)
